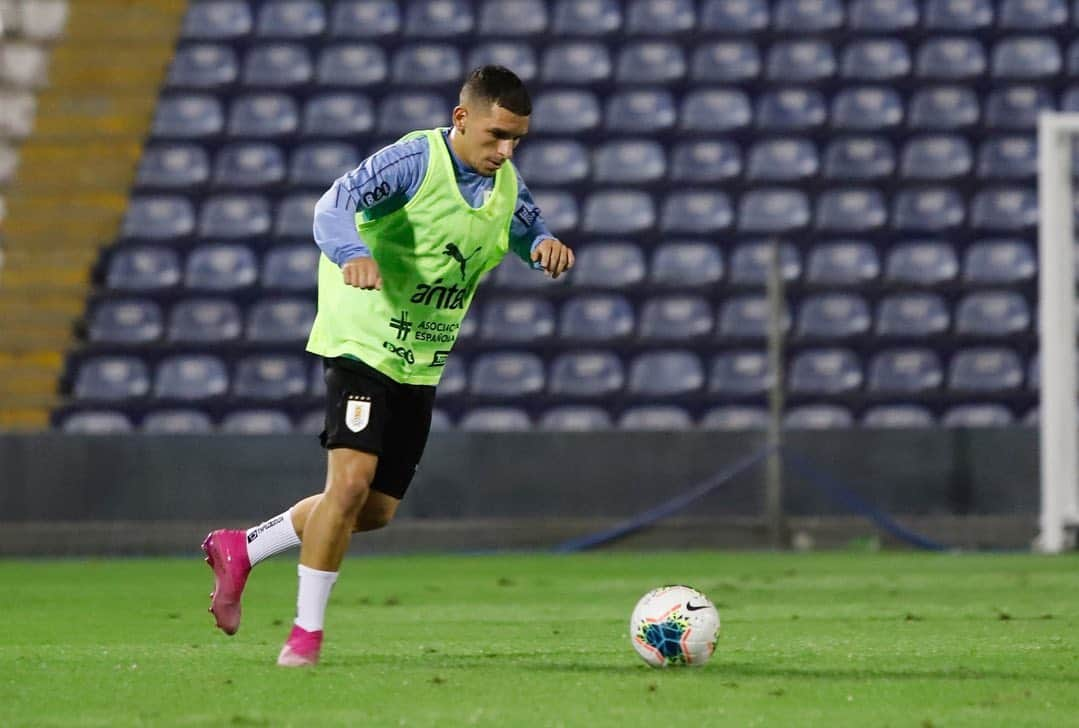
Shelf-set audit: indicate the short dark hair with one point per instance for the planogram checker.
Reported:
(499, 85)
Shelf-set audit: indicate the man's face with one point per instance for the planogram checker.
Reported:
(486, 136)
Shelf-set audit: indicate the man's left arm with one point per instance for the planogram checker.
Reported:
(532, 241)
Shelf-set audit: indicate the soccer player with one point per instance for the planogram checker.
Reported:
(405, 238)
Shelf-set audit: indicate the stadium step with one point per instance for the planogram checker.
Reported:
(58, 165)
(32, 417)
(64, 114)
(92, 63)
(144, 20)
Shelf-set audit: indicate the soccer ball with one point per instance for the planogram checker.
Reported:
(674, 625)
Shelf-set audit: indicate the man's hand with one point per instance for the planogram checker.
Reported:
(553, 256)
(362, 272)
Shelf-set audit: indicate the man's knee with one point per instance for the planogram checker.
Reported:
(377, 512)
(349, 481)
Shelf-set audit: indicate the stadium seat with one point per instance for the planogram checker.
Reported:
(111, 378)
(187, 116)
(715, 111)
(521, 59)
(352, 65)
(807, 16)
(642, 111)
(177, 422)
(438, 19)
(825, 372)
(1006, 209)
(985, 370)
(912, 315)
(515, 18)
(686, 264)
(958, 15)
(842, 263)
(734, 17)
(234, 216)
(565, 111)
(818, 417)
(800, 61)
(790, 110)
(1026, 58)
(181, 167)
(944, 107)
(586, 374)
(910, 371)
(859, 158)
(739, 374)
(290, 268)
(833, 316)
(936, 157)
(1008, 158)
(695, 212)
(665, 373)
(512, 274)
(650, 62)
(782, 160)
(249, 165)
(866, 108)
(280, 321)
(126, 321)
(256, 422)
(318, 164)
(316, 381)
(630, 161)
(294, 215)
(263, 115)
(882, 16)
(220, 267)
(1032, 14)
(677, 318)
(875, 60)
(921, 263)
(576, 62)
(750, 262)
(615, 212)
(299, 19)
(495, 419)
(205, 320)
(554, 162)
(726, 61)
(559, 210)
(344, 115)
(586, 17)
(517, 320)
(575, 418)
(365, 19)
(278, 65)
(705, 161)
(1000, 261)
(270, 377)
(660, 17)
(774, 210)
(97, 422)
(978, 415)
(851, 209)
(898, 416)
(609, 265)
(992, 314)
(1016, 107)
(746, 317)
(735, 418)
(427, 64)
(655, 418)
(143, 268)
(203, 66)
(217, 20)
(158, 217)
(951, 59)
(928, 209)
(454, 379)
(506, 375)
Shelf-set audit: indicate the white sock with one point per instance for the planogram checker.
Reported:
(271, 537)
(315, 587)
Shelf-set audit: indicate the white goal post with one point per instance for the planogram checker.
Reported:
(1059, 441)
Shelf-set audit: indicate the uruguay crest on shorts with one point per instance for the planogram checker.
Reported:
(357, 413)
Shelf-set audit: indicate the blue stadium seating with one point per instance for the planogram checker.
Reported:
(565, 111)
(734, 16)
(578, 62)
(818, 417)
(293, 216)
(859, 158)
(978, 415)
(951, 59)
(177, 422)
(656, 375)
(506, 375)
(944, 107)
(825, 372)
(992, 314)
(280, 321)
(907, 372)
(749, 263)
(178, 166)
(191, 377)
(629, 161)
(438, 18)
(842, 263)
(586, 17)
(958, 15)
(660, 17)
(644, 111)
(772, 211)
(220, 268)
(875, 60)
(369, 19)
(833, 316)
(112, 378)
(342, 114)
(726, 61)
(686, 264)
(256, 422)
(497, 419)
(217, 20)
(898, 416)
(1026, 58)
(1032, 14)
(999, 261)
(655, 417)
(521, 59)
(715, 111)
(249, 165)
(234, 216)
(1017, 107)
(278, 65)
(97, 422)
(705, 161)
(1004, 209)
(807, 16)
(746, 317)
(401, 112)
(985, 370)
(882, 16)
(188, 116)
(586, 374)
(513, 18)
(936, 157)
(650, 62)
(270, 377)
(866, 108)
(739, 374)
(912, 315)
(790, 110)
(554, 162)
(300, 19)
(263, 115)
(518, 320)
(205, 320)
(203, 66)
(596, 318)
(921, 263)
(616, 212)
(427, 64)
(800, 61)
(318, 164)
(928, 209)
(159, 218)
(695, 212)
(850, 210)
(784, 159)
(735, 418)
(575, 418)
(1008, 158)
(672, 319)
(143, 268)
(126, 321)
(352, 65)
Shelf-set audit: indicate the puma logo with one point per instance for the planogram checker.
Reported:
(454, 252)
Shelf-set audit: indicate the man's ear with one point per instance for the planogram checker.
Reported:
(460, 115)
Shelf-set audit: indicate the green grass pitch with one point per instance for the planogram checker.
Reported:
(826, 639)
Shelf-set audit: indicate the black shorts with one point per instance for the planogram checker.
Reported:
(368, 411)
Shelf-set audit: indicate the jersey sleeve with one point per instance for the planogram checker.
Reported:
(527, 226)
(382, 184)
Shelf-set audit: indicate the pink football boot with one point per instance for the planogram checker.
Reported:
(301, 648)
(226, 553)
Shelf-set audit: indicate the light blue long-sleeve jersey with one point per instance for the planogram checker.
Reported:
(388, 179)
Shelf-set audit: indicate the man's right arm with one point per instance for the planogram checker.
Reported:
(382, 184)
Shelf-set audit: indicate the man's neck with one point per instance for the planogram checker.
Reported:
(452, 139)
